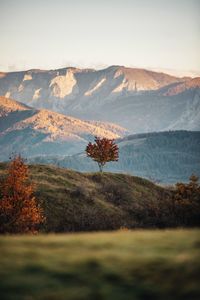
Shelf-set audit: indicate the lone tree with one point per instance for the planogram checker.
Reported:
(102, 151)
(19, 211)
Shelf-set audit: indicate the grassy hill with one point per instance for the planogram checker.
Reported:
(74, 201)
(128, 265)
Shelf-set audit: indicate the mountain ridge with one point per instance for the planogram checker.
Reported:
(121, 77)
(23, 127)
(137, 99)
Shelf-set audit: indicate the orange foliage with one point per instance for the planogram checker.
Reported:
(19, 211)
(102, 151)
(187, 202)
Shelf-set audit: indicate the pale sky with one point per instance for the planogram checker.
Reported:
(47, 34)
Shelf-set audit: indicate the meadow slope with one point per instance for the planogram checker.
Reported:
(74, 201)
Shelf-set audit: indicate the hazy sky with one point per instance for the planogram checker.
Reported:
(96, 33)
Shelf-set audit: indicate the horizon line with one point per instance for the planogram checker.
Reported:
(167, 71)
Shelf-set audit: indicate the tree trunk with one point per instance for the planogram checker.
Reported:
(100, 168)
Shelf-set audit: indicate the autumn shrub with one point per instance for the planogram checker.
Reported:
(19, 210)
(186, 202)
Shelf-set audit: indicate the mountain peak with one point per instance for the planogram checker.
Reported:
(24, 129)
(8, 105)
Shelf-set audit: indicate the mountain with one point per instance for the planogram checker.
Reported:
(164, 157)
(59, 88)
(137, 99)
(39, 132)
(181, 87)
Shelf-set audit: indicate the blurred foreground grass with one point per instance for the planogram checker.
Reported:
(114, 265)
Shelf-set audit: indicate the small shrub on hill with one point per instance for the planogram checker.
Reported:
(187, 202)
(19, 211)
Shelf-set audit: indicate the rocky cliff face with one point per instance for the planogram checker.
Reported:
(138, 99)
(48, 88)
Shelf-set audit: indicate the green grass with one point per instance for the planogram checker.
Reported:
(116, 265)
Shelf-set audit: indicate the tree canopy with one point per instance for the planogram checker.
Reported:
(103, 150)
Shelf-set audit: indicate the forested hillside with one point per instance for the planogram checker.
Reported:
(165, 157)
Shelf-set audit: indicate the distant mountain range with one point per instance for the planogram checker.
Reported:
(137, 99)
(31, 131)
(163, 157)
(60, 111)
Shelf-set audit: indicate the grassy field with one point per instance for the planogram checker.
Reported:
(94, 266)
